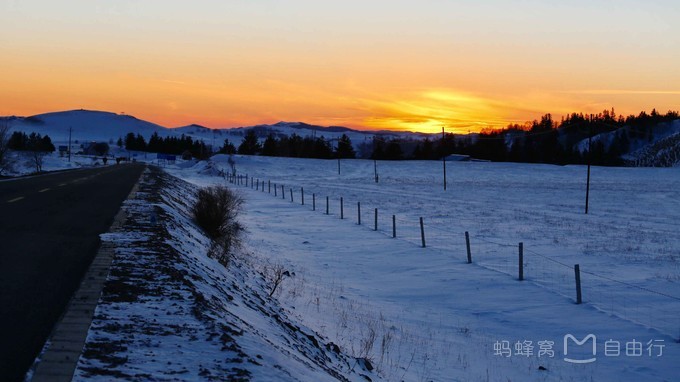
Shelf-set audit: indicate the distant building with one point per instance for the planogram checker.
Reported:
(458, 158)
(95, 148)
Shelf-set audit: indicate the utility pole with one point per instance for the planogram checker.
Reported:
(590, 158)
(444, 157)
(375, 170)
(69, 143)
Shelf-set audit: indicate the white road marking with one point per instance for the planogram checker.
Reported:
(15, 199)
(62, 184)
(44, 189)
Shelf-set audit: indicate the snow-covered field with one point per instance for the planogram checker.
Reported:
(425, 314)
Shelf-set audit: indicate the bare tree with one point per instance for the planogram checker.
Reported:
(39, 146)
(5, 162)
(38, 157)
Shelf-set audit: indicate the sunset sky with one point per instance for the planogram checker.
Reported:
(414, 65)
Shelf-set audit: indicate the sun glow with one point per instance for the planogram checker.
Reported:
(430, 110)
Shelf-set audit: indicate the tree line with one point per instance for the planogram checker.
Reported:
(168, 145)
(566, 141)
(21, 141)
(540, 141)
(293, 146)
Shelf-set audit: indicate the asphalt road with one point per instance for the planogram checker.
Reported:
(49, 234)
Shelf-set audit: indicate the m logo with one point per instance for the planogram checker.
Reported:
(580, 343)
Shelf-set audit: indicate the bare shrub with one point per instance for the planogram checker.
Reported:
(367, 341)
(275, 274)
(215, 211)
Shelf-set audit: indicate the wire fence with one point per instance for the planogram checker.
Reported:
(636, 303)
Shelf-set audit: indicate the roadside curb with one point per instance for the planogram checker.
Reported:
(59, 358)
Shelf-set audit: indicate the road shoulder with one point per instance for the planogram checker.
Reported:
(61, 352)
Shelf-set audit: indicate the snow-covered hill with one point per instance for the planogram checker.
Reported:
(85, 125)
(656, 147)
(103, 126)
(663, 153)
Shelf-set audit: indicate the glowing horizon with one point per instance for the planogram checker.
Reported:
(400, 65)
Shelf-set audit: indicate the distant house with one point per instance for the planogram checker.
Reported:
(458, 158)
(463, 158)
(95, 148)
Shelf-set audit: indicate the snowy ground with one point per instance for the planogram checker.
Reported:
(424, 314)
(169, 312)
(417, 313)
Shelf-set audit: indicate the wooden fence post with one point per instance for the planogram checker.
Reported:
(359, 213)
(257, 187)
(313, 202)
(342, 209)
(467, 244)
(283, 192)
(422, 232)
(275, 188)
(302, 195)
(577, 274)
(291, 195)
(326, 205)
(394, 225)
(269, 184)
(521, 261)
(375, 227)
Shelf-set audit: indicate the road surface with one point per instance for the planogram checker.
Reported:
(49, 234)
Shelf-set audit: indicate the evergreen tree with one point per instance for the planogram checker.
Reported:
(378, 148)
(393, 151)
(294, 146)
(269, 147)
(250, 144)
(428, 149)
(18, 141)
(130, 142)
(345, 149)
(156, 144)
(140, 143)
(227, 148)
(322, 149)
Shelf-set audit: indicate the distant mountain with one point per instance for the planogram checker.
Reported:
(85, 125)
(88, 125)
